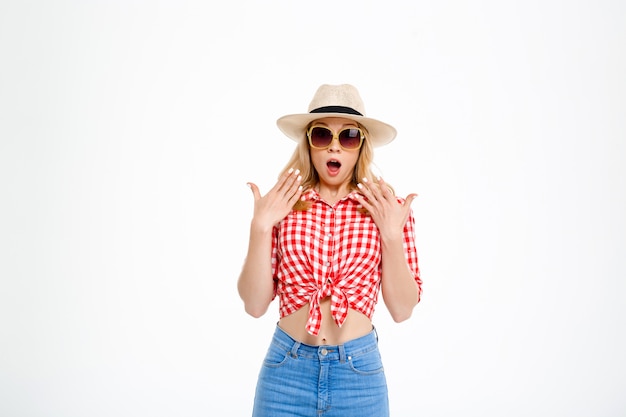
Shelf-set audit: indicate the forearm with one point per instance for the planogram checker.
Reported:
(399, 288)
(255, 284)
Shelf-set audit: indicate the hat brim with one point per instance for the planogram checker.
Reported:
(294, 126)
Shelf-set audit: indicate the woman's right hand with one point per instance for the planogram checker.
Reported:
(256, 283)
(278, 202)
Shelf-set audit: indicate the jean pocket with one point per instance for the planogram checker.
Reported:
(369, 363)
(275, 356)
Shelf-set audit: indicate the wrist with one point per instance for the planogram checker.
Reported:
(260, 227)
(391, 234)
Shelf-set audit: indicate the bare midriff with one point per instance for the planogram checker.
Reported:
(356, 325)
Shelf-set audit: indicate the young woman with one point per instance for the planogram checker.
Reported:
(325, 240)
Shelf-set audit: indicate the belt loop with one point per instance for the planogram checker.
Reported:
(342, 353)
(375, 333)
(294, 350)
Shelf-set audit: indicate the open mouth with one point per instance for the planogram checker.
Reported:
(333, 165)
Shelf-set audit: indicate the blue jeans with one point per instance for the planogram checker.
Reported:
(299, 380)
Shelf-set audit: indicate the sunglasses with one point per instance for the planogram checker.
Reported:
(321, 137)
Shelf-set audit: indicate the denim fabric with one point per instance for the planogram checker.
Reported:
(299, 380)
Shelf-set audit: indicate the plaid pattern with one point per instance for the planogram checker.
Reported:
(331, 252)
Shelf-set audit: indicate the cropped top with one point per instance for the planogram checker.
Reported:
(331, 251)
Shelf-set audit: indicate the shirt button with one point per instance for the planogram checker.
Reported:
(324, 352)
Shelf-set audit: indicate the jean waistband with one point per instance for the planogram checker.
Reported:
(351, 348)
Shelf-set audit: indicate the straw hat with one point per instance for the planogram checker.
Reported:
(337, 101)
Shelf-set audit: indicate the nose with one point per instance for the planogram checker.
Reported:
(334, 145)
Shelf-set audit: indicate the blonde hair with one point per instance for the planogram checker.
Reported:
(301, 159)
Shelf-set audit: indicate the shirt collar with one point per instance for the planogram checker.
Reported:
(312, 195)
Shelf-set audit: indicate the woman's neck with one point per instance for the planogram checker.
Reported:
(331, 194)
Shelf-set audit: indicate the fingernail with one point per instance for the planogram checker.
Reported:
(364, 179)
(297, 171)
(299, 177)
(290, 171)
(359, 185)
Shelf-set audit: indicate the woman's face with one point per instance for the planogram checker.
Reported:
(335, 164)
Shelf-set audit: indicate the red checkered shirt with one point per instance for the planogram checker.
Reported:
(331, 252)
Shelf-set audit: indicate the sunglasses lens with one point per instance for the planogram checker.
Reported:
(320, 137)
(350, 138)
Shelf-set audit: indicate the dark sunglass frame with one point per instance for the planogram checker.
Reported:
(335, 135)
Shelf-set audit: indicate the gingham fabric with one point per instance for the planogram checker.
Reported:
(331, 251)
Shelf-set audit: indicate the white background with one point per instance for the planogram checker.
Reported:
(128, 130)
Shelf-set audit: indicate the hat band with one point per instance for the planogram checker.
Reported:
(336, 109)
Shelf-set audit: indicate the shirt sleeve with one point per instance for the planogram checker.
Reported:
(410, 251)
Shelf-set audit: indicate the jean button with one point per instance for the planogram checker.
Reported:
(324, 351)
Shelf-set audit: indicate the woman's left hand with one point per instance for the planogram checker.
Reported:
(389, 215)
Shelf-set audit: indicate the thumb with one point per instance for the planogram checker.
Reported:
(409, 199)
(255, 190)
